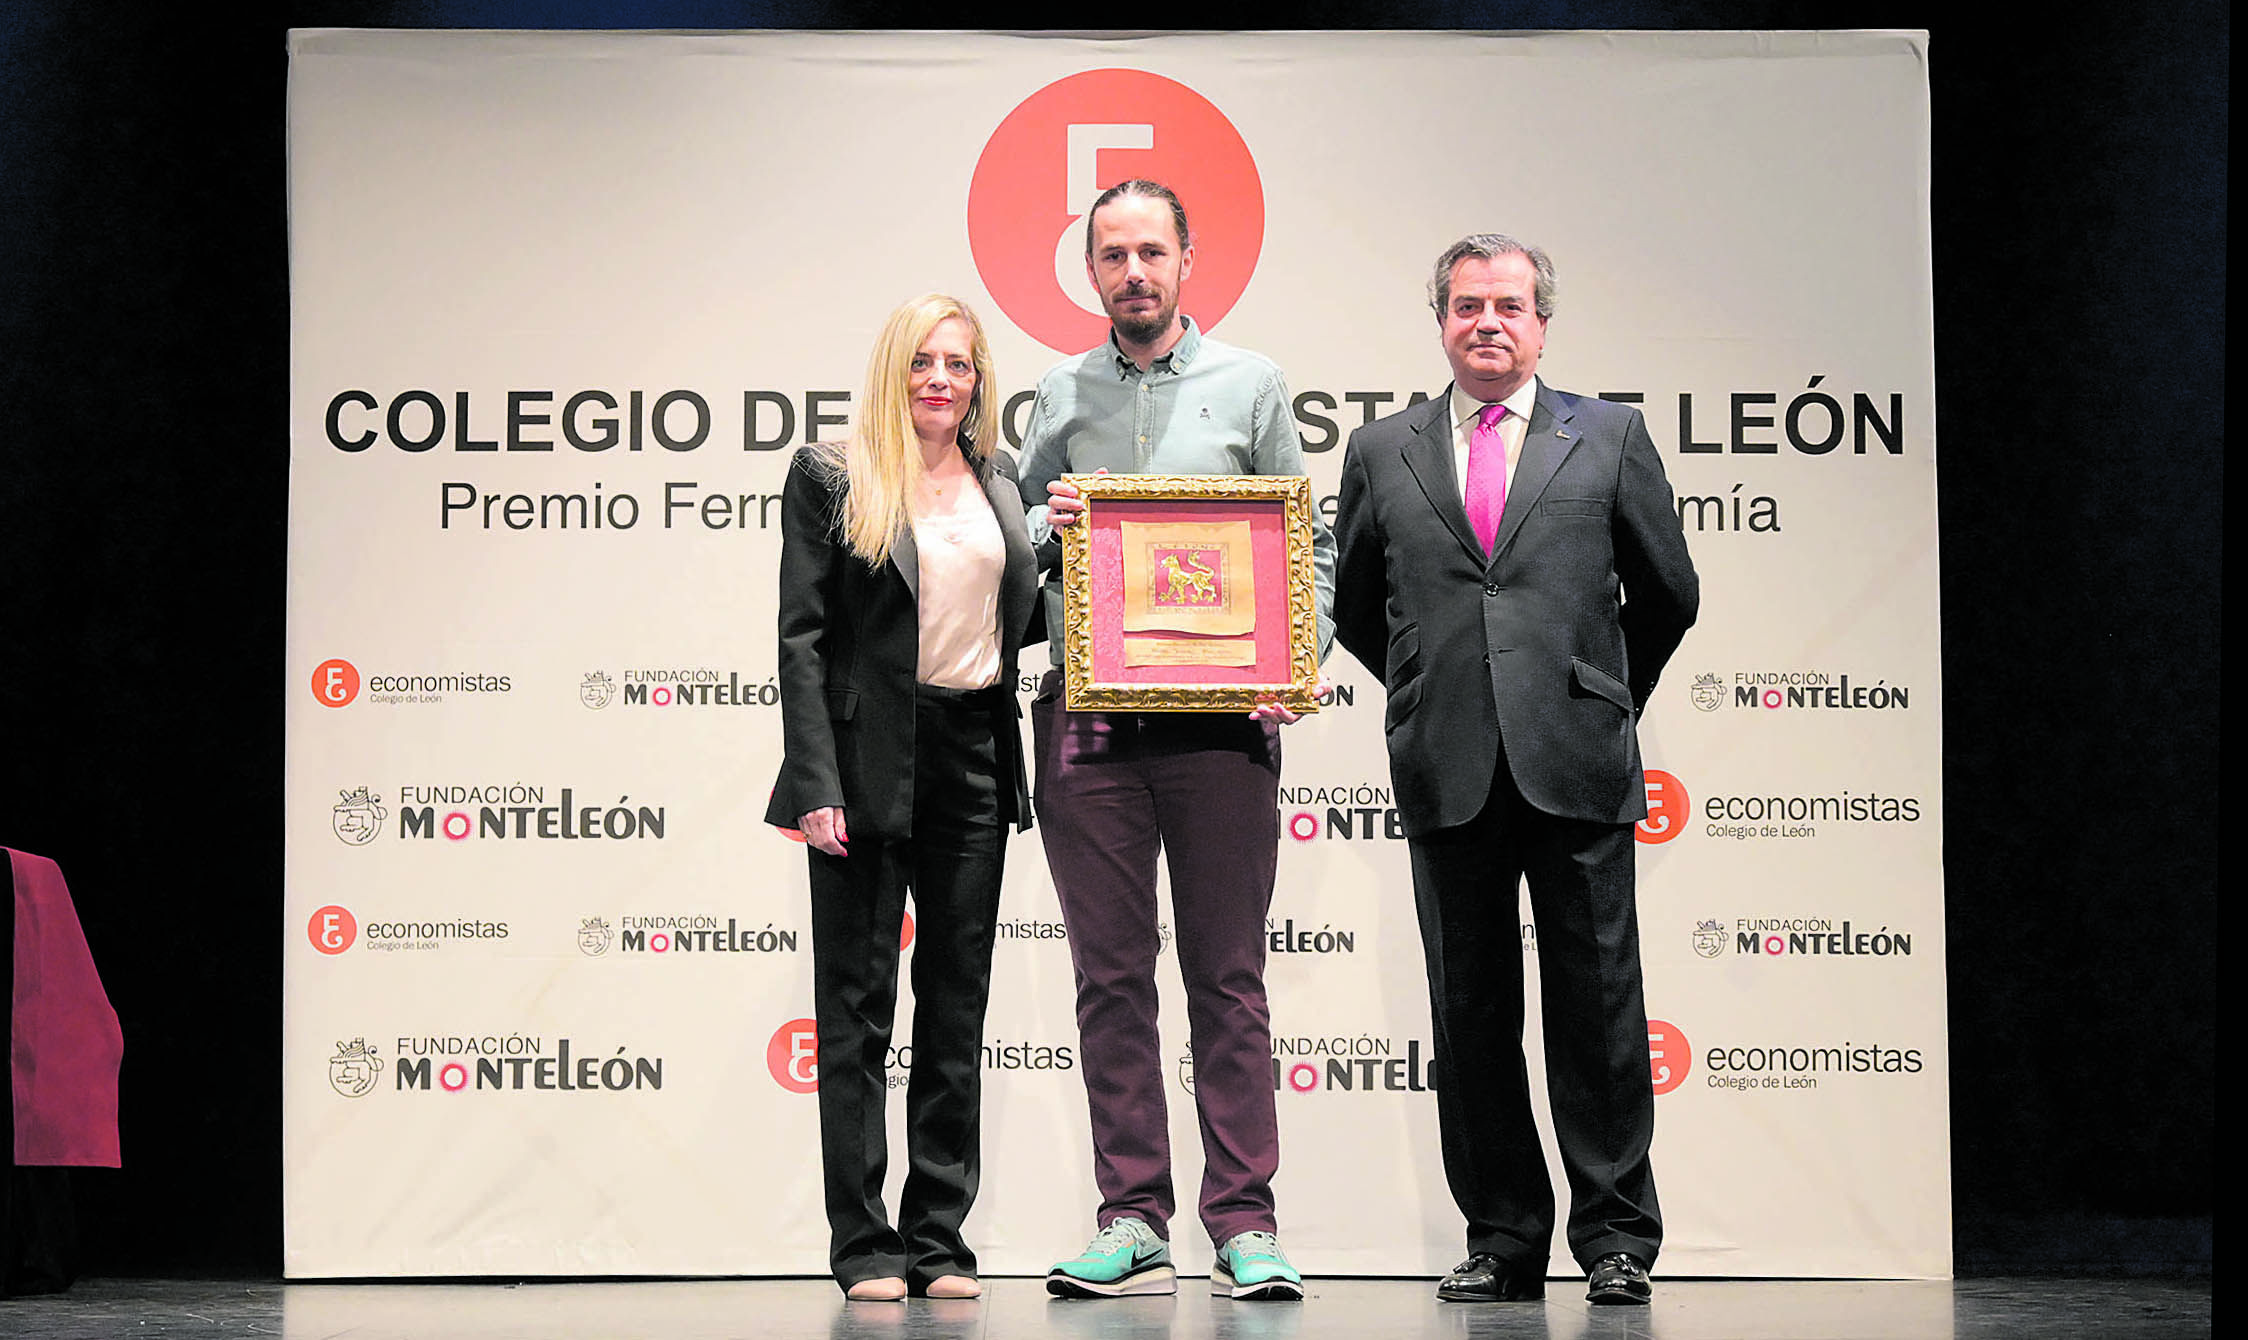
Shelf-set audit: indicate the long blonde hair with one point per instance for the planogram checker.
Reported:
(883, 458)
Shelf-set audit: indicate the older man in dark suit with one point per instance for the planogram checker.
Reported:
(1510, 560)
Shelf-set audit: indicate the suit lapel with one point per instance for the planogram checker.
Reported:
(905, 556)
(1018, 581)
(1547, 442)
(1428, 454)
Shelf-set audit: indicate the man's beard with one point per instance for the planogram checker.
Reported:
(1144, 329)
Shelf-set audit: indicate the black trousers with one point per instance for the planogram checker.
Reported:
(1598, 1077)
(952, 863)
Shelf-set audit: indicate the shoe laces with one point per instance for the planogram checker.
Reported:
(1255, 1243)
(1122, 1233)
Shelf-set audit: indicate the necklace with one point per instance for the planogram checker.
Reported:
(939, 514)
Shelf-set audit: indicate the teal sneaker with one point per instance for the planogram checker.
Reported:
(1122, 1260)
(1251, 1266)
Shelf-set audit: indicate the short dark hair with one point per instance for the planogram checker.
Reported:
(1146, 190)
(1491, 246)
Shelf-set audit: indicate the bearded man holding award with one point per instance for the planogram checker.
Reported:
(1116, 787)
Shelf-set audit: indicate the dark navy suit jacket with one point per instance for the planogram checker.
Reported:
(1546, 651)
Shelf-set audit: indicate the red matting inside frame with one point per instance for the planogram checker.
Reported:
(1268, 546)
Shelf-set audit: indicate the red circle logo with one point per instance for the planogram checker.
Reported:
(1669, 1054)
(332, 929)
(1071, 140)
(794, 1056)
(335, 683)
(1668, 809)
(905, 934)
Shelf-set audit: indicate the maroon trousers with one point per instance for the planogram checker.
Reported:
(1113, 788)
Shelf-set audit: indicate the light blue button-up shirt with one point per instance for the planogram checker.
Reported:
(1204, 408)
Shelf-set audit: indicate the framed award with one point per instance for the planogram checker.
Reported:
(1189, 593)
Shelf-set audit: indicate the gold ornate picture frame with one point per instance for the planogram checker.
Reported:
(1189, 593)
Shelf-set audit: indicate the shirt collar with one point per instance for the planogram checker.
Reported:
(1465, 407)
(1181, 354)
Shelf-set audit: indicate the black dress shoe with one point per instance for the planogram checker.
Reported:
(1619, 1278)
(1484, 1278)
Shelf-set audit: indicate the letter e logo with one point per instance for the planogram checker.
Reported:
(332, 929)
(1669, 1055)
(1071, 140)
(1667, 808)
(794, 1056)
(335, 683)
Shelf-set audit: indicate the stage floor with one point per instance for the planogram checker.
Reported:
(2049, 1309)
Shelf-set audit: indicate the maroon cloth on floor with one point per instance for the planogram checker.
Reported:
(64, 1042)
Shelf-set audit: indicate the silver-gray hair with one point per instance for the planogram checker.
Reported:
(1491, 246)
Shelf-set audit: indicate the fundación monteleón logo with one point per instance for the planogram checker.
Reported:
(1367, 1063)
(1798, 690)
(679, 686)
(1800, 937)
(1366, 811)
(1344, 1063)
(357, 818)
(682, 935)
(355, 1069)
(494, 1063)
(523, 811)
(1076, 137)
(1345, 810)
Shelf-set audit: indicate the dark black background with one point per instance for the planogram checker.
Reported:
(2080, 206)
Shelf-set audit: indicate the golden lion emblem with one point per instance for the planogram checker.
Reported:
(1191, 583)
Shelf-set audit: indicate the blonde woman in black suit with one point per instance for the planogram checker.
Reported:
(907, 588)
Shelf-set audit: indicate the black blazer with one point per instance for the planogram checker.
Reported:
(1546, 651)
(850, 640)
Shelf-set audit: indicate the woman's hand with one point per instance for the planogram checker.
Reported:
(823, 828)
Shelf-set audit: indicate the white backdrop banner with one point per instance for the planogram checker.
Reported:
(562, 305)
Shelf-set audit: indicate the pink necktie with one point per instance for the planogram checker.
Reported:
(1486, 475)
